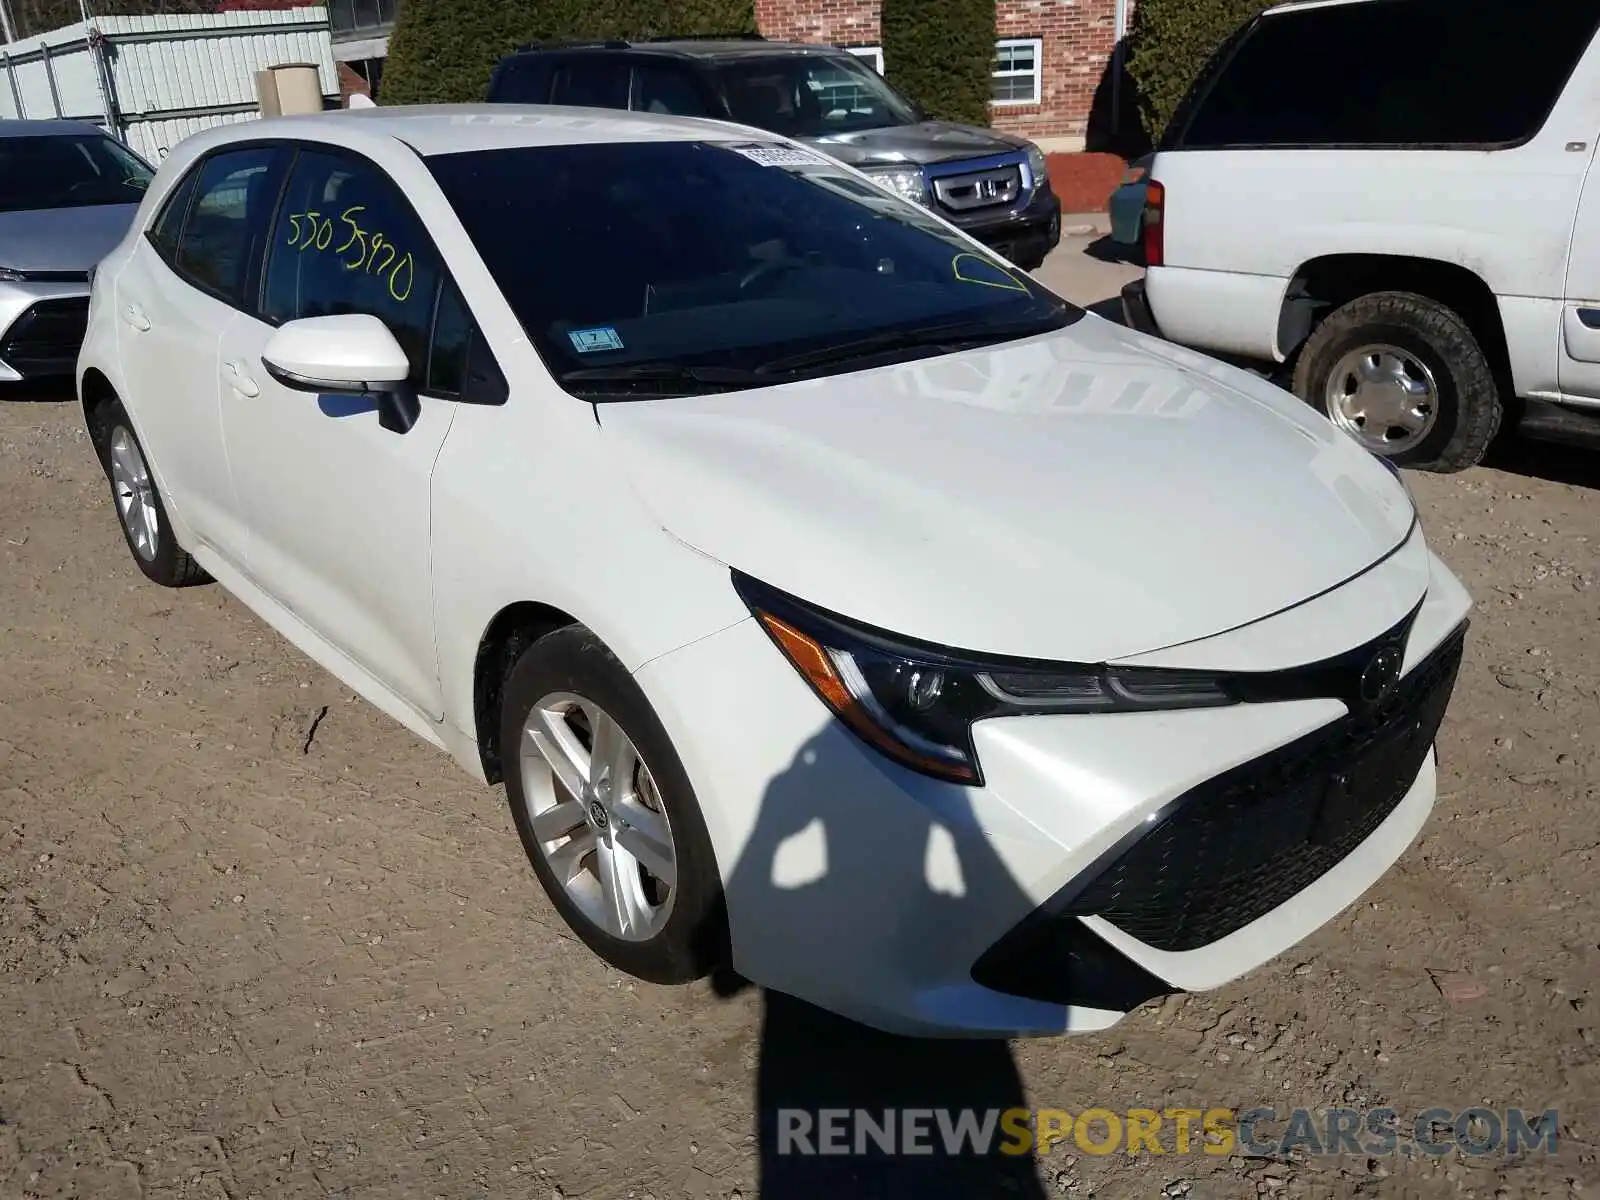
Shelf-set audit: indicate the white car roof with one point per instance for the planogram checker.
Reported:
(448, 128)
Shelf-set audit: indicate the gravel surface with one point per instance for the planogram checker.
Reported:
(255, 940)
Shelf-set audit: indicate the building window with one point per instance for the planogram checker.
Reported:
(357, 18)
(1017, 70)
(873, 54)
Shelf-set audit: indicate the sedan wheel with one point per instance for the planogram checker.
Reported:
(141, 512)
(596, 813)
(136, 500)
(606, 812)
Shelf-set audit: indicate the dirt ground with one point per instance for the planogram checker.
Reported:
(256, 941)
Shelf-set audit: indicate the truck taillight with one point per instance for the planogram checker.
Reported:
(1155, 203)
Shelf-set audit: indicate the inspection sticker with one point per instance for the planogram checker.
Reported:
(586, 341)
(771, 155)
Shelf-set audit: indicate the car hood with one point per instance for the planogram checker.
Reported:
(1083, 495)
(925, 142)
(62, 239)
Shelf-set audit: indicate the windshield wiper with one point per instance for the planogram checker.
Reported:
(665, 372)
(946, 338)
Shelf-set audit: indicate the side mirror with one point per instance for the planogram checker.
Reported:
(352, 354)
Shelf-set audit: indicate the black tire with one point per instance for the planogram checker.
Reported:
(1469, 406)
(692, 942)
(170, 565)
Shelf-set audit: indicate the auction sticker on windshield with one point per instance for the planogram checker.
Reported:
(586, 341)
(772, 155)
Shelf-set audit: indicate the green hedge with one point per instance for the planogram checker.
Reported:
(940, 53)
(442, 51)
(1170, 43)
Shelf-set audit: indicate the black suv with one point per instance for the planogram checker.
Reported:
(993, 185)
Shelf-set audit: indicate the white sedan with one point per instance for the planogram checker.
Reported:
(836, 603)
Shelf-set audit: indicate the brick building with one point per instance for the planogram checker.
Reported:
(1052, 57)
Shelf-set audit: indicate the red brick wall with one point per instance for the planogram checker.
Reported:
(1078, 36)
(351, 83)
(840, 22)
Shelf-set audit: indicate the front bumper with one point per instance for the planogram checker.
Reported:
(41, 329)
(1109, 858)
(1024, 235)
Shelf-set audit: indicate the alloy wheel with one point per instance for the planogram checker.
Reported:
(135, 493)
(597, 816)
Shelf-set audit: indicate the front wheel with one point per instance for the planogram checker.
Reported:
(1405, 376)
(606, 812)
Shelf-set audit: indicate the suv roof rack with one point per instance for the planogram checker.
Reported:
(707, 37)
(566, 44)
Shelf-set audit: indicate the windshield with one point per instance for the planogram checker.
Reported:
(809, 95)
(68, 171)
(693, 265)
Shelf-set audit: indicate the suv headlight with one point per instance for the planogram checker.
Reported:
(917, 703)
(1038, 166)
(8, 275)
(906, 182)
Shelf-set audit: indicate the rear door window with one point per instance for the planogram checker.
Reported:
(226, 220)
(521, 81)
(662, 88)
(1392, 73)
(592, 83)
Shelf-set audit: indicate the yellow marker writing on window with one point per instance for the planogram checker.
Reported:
(376, 254)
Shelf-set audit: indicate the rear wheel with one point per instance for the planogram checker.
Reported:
(1405, 376)
(606, 812)
(140, 510)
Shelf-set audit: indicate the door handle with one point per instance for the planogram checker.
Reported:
(1590, 317)
(239, 381)
(134, 316)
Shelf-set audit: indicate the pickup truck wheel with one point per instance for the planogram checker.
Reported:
(1405, 377)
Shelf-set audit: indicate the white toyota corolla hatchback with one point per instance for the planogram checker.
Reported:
(836, 603)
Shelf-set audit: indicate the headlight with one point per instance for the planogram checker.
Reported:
(7, 275)
(905, 182)
(917, 703)
(1038, 166)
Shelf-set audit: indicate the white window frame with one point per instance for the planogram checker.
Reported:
(1037, 74)
(873, 53)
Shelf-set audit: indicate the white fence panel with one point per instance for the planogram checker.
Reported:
(152, 140)
(165, 77)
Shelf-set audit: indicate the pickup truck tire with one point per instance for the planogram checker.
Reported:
(1408, 342)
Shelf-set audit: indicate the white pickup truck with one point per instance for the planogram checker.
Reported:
(1395, 203)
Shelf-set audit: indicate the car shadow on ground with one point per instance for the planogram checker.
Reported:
(811, 1060)
(1107, 250)
(1554, 462)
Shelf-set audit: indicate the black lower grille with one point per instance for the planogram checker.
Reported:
(46, 337)
(1239, 845)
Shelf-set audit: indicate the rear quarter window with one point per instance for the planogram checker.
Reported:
(521, 81)
(1391, 73)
